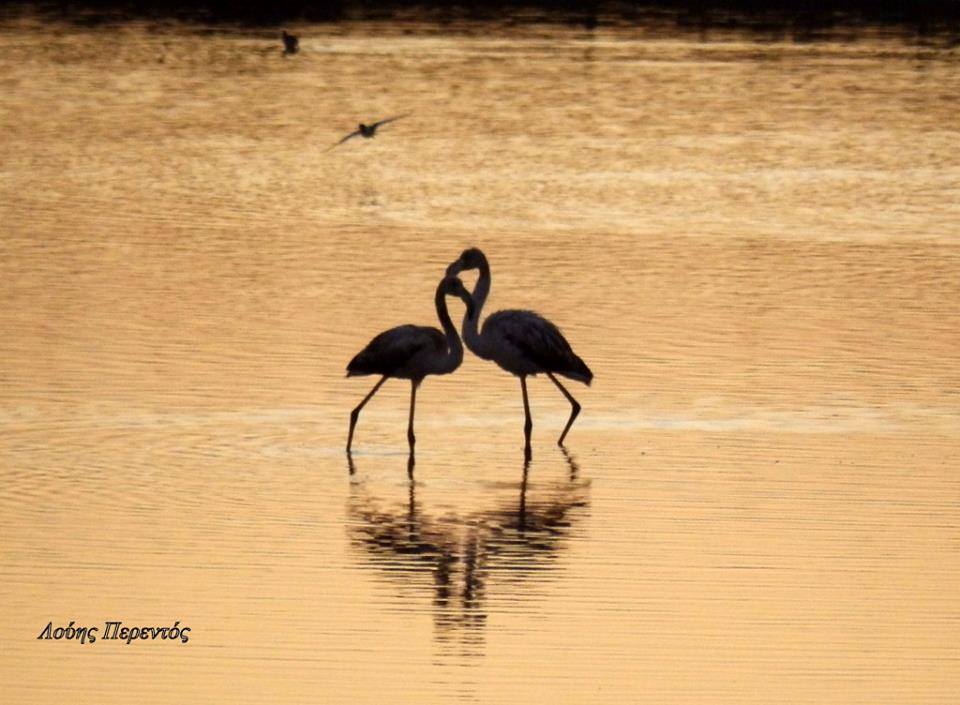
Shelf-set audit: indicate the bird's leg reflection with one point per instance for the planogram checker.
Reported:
(412, 507)
(574, 466)
(473, 571)
(443, 580)
(522, 514)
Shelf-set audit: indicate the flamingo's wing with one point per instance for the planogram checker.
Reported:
(538, 340)
(392, 349)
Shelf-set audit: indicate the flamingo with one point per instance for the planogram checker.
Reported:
(521, 342)
(412, 352)
(291, 43)
(367, 131)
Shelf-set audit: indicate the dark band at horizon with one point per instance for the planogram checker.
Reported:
(919, 15)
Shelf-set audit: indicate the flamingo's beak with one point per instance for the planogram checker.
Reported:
(454, 269)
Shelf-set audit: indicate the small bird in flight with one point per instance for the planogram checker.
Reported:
(367, 131)
(291, 43)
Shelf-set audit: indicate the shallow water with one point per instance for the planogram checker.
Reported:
(753, 245)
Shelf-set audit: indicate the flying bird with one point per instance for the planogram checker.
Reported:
(521, 342)
(291, 43)
(368, 131)
(412, 352)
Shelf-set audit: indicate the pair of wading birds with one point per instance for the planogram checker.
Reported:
(521, 342)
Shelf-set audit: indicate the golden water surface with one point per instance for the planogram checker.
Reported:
(755, 246)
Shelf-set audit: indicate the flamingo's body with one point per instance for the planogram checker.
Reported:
(523, 343)
(412, 352)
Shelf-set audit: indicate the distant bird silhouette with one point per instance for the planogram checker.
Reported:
(291, 43)
(367, 131)
(412, 352)
(521, 342)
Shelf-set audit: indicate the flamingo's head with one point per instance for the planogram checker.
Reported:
(471, 258)
(452, 286)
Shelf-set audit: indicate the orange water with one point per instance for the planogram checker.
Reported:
(753, 245)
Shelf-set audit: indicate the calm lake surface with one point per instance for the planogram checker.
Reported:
(754, 245)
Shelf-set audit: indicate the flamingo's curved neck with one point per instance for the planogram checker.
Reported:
(454, 354)
(471, 334)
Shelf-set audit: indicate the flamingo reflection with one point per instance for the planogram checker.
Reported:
(460, 557)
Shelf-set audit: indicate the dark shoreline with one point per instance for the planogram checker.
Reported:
(922, 17)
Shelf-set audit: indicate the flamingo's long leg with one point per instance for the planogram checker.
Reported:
(413, 402)
(355, 414)
(528, 423)
(574, 406)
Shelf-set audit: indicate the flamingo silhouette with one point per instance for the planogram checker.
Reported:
(521, 342)
(412, 352)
